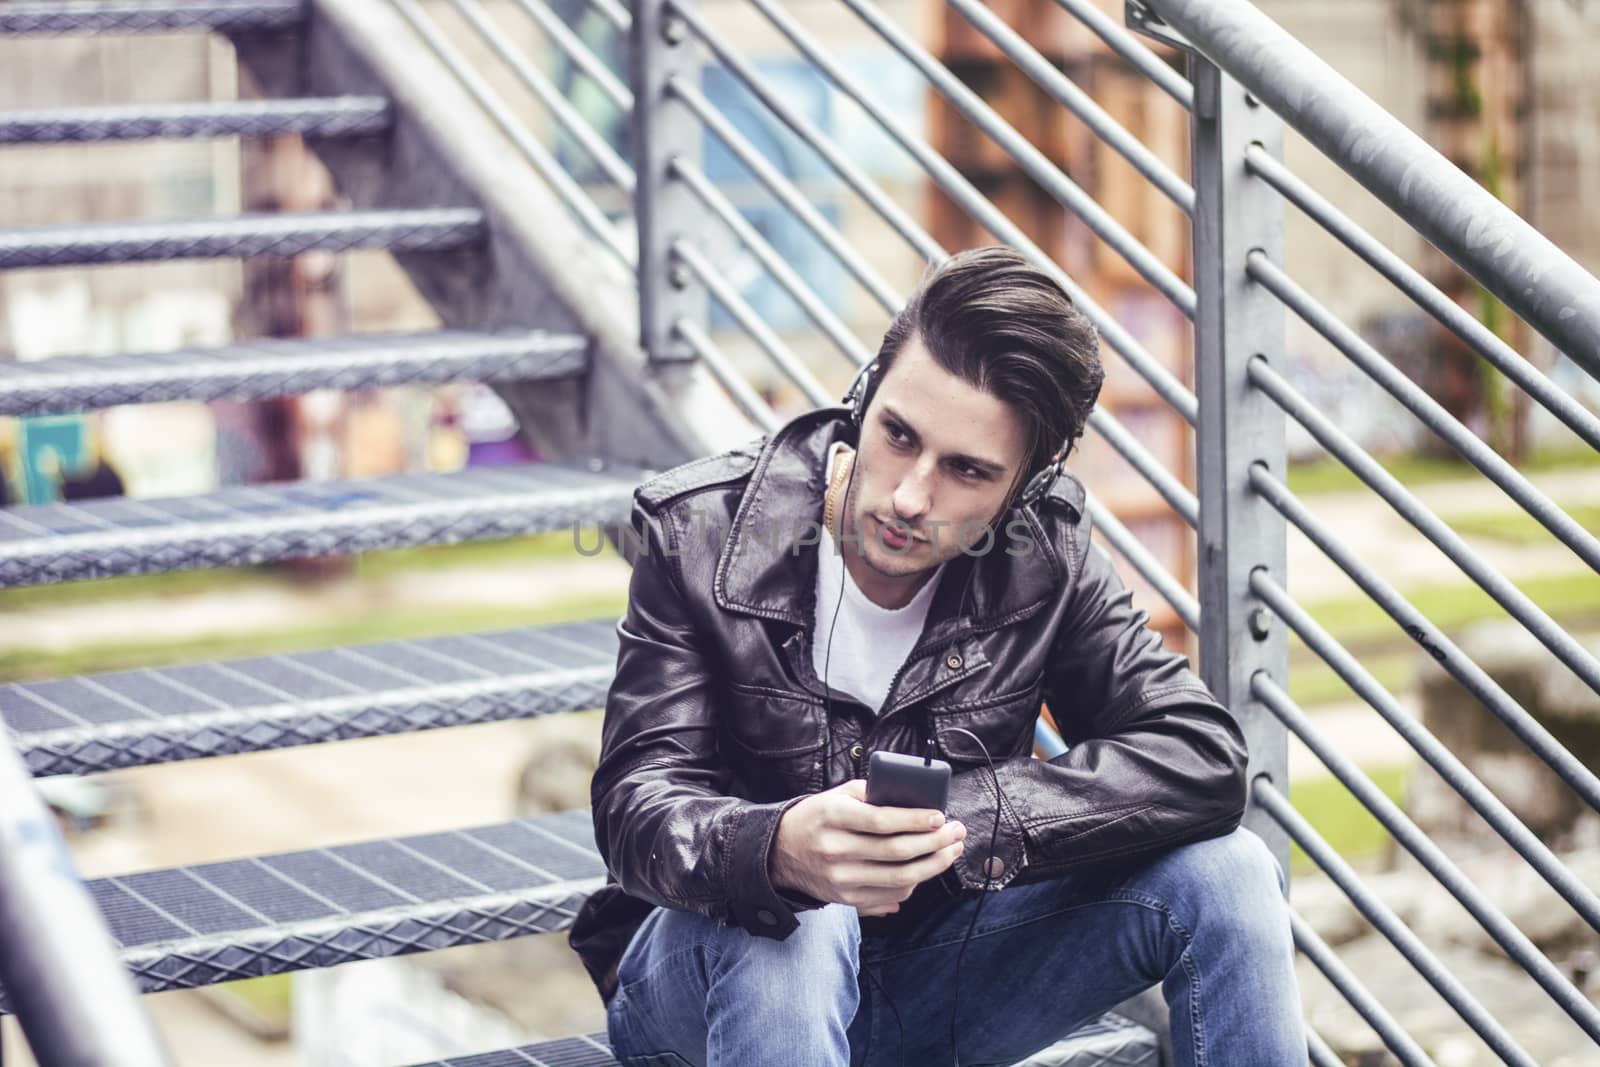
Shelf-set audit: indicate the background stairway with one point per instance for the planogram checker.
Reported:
(510, 320)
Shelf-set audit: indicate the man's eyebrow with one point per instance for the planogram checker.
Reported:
(977, 461)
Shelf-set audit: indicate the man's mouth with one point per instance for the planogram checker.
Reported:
(894, 535)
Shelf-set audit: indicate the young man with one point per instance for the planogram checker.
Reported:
(890, 576)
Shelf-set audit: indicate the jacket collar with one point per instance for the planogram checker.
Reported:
(763, 574)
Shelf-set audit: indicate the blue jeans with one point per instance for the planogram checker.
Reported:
(1207, 920)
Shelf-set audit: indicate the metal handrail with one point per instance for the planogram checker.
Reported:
(802, 294)
(1033, 162)
(1161, 580)
(615, 13)
(1359, 996)
(1390, 925)
(785, 192)
(571, 194)
(959, 189)
(751, 402)
(74, 999)
(1432, 640)
(1578, 659)
(554, 101)
(1130, 48)
(802, 127)
(753, 324)
(1454, 773)
(1507, 360)
(1068, 95)
(1174, 492)
(1507, 256)
(580, 54)
(1516, 944)
(1428, 410)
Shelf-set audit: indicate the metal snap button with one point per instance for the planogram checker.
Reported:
(855, 751)
(953, 662)
(767, 918)
(994, 867)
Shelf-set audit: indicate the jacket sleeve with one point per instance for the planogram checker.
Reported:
(664, 820)
(1153, 760)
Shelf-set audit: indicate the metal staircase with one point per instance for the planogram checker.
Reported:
(547, 349)
(598, 339)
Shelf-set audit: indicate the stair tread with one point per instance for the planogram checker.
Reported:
(277, 367)
(110, 536)
(114, 719)
(320, 116)
(182, 927)
(250, 234)
(1109, 1041)
(144, 16)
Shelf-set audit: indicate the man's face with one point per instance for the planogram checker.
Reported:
(936, 457)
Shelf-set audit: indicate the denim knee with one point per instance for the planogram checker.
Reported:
(1232, 884)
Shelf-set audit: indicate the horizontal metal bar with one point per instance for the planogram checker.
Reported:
(576, 50)
(343, 116)
(1032, 161)
(1494, 922)
(1566, 648)
(1390, 925)
(1163, 381)
(1070, 96)
(782, 188)
(750, 401)
(614, 13)
(1430, 411)
(534, 80)
(1174, 492)
(1389, 1031)
(792, 283)
(1461, 218)
(1321, 1054)
(1150, 568)
(1432, 640)
(515, 130)
(1441, 759)
(1130, 48)
(753, 323)
(819, 142)
(1426, 295)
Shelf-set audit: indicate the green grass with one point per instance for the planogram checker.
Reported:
(389, 626)
(1313, 683)
(1516, 527)
(1328, 475)
(270, 995)
(1342, 820)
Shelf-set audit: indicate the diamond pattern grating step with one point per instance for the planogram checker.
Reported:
(1109, 1041)
(344, 116)
(216, 922)
(273, 367)
(287, 234)
(46, 543)
(101, 722)
(149, 16)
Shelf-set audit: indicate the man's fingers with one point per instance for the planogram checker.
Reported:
(873, 875)
(856, 814)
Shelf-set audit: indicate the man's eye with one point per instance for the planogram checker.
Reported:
(895, 433)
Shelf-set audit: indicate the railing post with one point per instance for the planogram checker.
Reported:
(665, 209)
(1237, 321)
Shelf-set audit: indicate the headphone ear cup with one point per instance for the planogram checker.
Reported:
(859, 392)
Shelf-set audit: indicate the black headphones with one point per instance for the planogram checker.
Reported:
(859, 395)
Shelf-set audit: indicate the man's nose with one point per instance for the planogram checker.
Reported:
(914, 494)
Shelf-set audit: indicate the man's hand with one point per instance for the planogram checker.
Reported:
(838, 848)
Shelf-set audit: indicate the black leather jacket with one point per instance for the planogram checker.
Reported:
(715, 722)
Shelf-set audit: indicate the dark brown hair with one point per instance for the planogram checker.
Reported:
(999, 323)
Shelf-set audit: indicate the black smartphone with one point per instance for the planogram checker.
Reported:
(896, 780)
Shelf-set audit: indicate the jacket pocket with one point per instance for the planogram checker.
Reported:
(774, 741)
(1004, 723)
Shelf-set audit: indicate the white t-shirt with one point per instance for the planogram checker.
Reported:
(870, 643)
